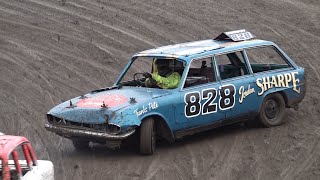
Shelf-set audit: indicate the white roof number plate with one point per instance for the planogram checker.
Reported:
(240, 35)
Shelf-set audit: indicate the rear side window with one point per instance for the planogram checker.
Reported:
(231, 65)
(266, 58)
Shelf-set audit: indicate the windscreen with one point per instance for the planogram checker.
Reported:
(147, 69)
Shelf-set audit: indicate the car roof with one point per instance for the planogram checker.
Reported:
(190, 50)
(8, 143)
(199, 47)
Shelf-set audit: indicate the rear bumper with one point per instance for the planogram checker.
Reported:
(73, 132)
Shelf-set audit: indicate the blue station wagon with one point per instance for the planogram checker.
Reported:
(178, 90)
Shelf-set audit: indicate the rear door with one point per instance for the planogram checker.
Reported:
(237, 90)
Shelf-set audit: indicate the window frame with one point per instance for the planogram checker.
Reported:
(211, 56)
(134, 58)
(245, 59)
(277, 50)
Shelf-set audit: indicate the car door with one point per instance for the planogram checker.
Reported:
(237, 86)
(199, 96)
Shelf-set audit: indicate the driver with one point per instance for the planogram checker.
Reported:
(162, 76)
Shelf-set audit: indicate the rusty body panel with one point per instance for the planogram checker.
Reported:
(108, 114)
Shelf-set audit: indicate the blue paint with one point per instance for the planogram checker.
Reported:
(170, 104)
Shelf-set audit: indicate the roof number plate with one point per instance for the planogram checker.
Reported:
(239, 35)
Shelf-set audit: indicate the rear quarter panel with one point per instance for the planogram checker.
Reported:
(290, 82)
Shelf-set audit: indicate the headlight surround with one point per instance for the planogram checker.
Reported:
(113, 128)
(105, 127)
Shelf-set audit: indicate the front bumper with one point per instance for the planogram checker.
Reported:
(76, 132)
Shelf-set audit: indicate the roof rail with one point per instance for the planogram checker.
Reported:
(238, 35)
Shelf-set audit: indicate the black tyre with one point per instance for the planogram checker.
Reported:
(272, 110)
(80, 145)
(147, 137)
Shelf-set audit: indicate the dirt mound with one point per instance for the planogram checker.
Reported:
(54, 50)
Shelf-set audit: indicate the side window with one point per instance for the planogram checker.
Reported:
(201, 71)
(265, 58)
(231, 65)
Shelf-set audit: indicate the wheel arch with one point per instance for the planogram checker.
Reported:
(162, 127)
(284, 96)
(273, 119)
(281, 92)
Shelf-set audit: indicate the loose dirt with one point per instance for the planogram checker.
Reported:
(53, 50)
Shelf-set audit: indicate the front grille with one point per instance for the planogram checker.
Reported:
(112, 128)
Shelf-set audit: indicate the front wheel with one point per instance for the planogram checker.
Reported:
(147, 137)
(272, 110)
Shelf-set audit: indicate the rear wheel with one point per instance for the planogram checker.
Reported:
(80, 145)
(147, 137)
(272, 110)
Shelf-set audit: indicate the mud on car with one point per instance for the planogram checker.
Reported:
(232, 78)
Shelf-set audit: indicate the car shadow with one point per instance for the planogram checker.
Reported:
(132, 148)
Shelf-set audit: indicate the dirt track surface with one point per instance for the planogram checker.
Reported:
(55, 50)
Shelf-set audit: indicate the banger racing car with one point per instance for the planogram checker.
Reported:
(19, 161)
(232, 78)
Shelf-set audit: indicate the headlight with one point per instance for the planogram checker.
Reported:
(113, 128)
(53, 120)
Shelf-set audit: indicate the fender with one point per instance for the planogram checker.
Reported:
(161, 123)
(272, 91)
(156, 114)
